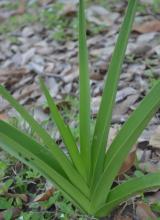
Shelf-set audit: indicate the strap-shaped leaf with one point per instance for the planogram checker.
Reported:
(85, 149)
(61, 158)
(123, 143)
(65, 132)
(29, 143)
(44, 136)
(105, 112)
(128, 189)
(34, 158)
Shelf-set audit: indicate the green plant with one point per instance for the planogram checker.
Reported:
(16, 22)
(86, 176)
(156, 5)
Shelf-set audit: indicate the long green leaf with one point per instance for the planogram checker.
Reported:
(84, 90)
(61, 158)
(33, 157)
(123, 143)
(44, 136)
(65, 132)
(105, 112)
(30, 143)
(128, 189)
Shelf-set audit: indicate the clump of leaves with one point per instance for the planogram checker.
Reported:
(86, 176)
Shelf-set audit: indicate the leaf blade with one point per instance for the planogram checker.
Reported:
(61, 158)
(65, 132)
(108, 98)
(31, 144)
(14, 148)
(84, 90)
(128, 189)
(124, 141)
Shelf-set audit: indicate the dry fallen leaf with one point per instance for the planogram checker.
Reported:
(144, 212)
(44, 196)
(120, 217)
(153, 198)
(155, 138)
(45, 2)
(69, 10)
(21, 9)
(122, 107)
(128, 163)
(150, 167)
(3, 117)
(149, 26)
(124, 93)
(100, 16)
(95, 104)
(14, 72)
(113, 132)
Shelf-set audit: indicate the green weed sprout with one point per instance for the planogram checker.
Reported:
(86, 176)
